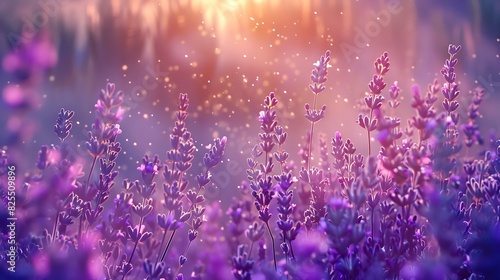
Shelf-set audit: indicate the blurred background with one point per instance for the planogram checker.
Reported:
(227, 55)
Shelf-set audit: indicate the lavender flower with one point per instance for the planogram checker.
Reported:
(286, 208)
(260, 179)
(176, 188)
(450, 88)
(425, 121)
(242, 266)
(448, 140)
(149, 169)
(63, 125)
(471, 128)
(318, 78)
(374, 100)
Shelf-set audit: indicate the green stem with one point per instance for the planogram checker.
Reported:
(274, 249)
(281, 163)
(185, 255)
(84, 191)
(291, 249)
(251, 248)
(161, 245)
(168, 245)
(55, 226)
(369, 132)
(373, 225)
(309, 149)
(131, 255)
(135, 245)
(284, 241)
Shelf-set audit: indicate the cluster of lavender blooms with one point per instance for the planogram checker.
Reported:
(420, 208)
(77, 226)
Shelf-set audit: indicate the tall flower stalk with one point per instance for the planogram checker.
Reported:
(102, 143)
(184, 205)
(318, 78)
(195, 200)
(312, 175)
(62, 129)
(471, 128)
(179, 159)
(260, 174)
(374, 100)
(448, 144)
(286, 208)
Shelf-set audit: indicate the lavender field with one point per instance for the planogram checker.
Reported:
(249, 139)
